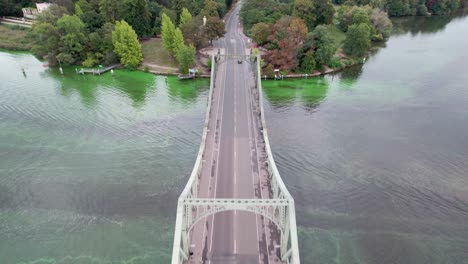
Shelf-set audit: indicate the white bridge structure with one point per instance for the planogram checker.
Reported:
(279, 208)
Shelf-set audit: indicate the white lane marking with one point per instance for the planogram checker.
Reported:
(235, 246)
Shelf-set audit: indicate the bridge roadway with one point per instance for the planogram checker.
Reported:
(231, 165)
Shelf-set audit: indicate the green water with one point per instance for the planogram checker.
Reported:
(91, 166)
(376, 157)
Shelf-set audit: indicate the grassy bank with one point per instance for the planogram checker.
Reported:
(15, 38)
(154, 54)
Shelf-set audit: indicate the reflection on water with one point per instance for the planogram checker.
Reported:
(91, 166)
(423, 25)
(379, 168)
(310, 92)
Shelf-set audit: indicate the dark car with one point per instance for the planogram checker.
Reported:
(239, 61)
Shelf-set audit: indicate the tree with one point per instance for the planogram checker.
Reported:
(308, 63)
(178, 41)
(73, 39)
(126, 45)
(110, 9)
(194, 32)
(214, 28)
(260, 32)
(137, 14)
(325, 47)
(324, 12)
(210, 9)
(357, 40)
(381, 23)
(186, 57)
(167, 33)
(185, 17)
(287, 39)
(305, 10)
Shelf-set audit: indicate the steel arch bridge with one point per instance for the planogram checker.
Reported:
(279, 209)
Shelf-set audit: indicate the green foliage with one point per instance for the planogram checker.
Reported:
(357, 40)
(270, 71)
(268, 11)
(126, 44)
(334, 63)
(186, 58)
(210, 9)
(324, 11)
(440, 7)
(73, 39)
(308, 62)
(90, 61)
(210, 64)
(137, 14)
(110, 10)
(185, 17)
(305, 9)
(377, 20)
(167, 33)
(178, 41)
(260, 32)
(146, 68)
(314, 12)
(324, 45)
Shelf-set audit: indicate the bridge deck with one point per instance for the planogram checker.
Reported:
(233, 165)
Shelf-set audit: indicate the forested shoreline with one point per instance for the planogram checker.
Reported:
(85, 31)
(303, 36)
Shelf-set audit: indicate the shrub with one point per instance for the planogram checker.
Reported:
(335, 63)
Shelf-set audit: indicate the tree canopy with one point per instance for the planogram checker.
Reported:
(126, 45)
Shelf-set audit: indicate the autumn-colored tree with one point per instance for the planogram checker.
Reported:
(214, 28)
(287, 38)
(193, 32)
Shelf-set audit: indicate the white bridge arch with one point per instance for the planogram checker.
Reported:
(273, 209)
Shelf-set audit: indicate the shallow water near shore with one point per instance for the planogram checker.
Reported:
(91, 166)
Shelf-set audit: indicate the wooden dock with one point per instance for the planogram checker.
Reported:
(97, 71)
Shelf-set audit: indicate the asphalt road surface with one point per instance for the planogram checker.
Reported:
(231, 161)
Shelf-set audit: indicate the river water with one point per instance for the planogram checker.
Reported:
(91, 166)
(376, 156)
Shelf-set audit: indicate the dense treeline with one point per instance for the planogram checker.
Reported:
(410, 7)
(307, 35)
(82, 31)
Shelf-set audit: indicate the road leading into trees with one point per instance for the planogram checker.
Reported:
(231, 162)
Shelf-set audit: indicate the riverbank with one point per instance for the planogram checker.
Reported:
(15, 38)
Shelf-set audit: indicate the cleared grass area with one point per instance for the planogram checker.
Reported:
(337, 35)
(154, 53)
(15, 37)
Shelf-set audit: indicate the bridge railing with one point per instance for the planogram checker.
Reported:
(181, 248)
(289, 235)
